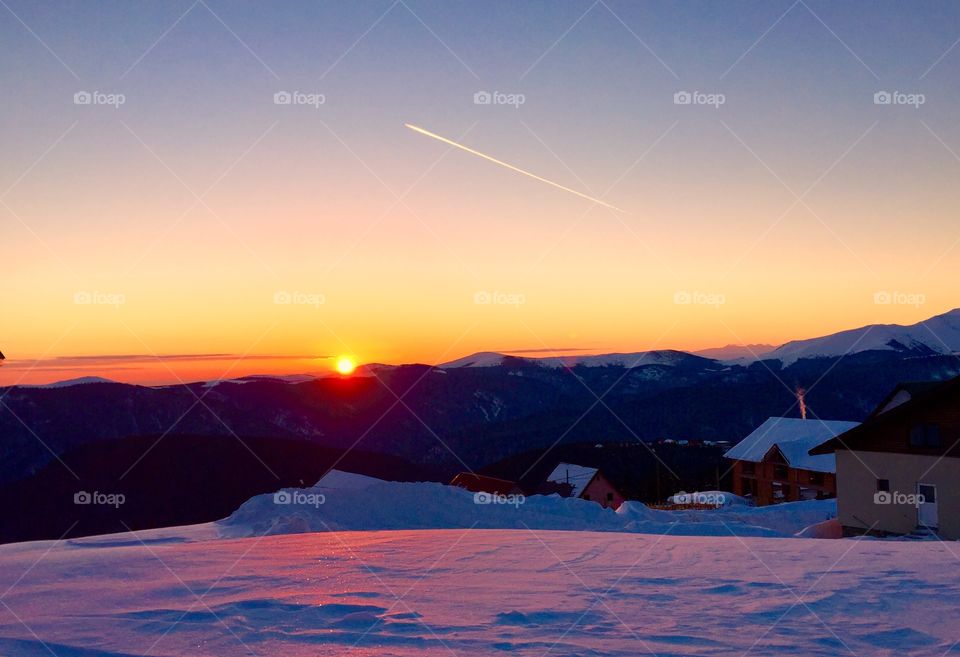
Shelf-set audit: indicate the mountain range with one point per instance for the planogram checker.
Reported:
(493, 412)
(937, 335)
(486, 407)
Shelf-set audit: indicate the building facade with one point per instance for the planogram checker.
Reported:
(571, 480)
(773, 463)
(899, 472)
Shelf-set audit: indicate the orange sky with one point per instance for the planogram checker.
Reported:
(201, 217)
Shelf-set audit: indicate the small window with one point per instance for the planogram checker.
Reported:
(925, 435)
(780, 472)
(883, 485)
(816, 478)
(916, 436)
(609, 497)
(929, 493)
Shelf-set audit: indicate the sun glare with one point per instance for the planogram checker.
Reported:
(345, 365)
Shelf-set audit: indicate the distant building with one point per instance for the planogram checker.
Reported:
(570, 480)
(899, 471)
(482, 484)
(773, 464)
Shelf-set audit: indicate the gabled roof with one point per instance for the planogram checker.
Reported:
(902, 393)
(578, 476)
(923, 394)
(794, 438)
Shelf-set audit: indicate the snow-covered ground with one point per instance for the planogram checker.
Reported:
(248, 586)
(478, 592)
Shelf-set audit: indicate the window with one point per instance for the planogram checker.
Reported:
(780, 471)
(609, 497)
(883, 485)
(816, 478)
(929, 493)
(925, 435)
(916, 436)
(747, 467)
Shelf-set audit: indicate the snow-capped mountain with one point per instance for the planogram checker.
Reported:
(83, 380)
(736, 351)
(635, 359)
(938, 335)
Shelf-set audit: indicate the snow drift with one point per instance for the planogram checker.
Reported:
(345, 502)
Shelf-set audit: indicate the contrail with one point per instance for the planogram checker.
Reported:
(510, 166)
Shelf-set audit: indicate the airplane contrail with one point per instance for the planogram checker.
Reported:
(510, 166)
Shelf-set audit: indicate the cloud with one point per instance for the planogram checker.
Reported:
(124, 361)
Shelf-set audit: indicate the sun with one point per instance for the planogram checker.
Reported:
(345, 365)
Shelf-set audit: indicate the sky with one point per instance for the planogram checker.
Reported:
(187, 223)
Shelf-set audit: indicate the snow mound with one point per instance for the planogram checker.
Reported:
(709, 497)
(340, 480)
(826, 529)
(345, 502)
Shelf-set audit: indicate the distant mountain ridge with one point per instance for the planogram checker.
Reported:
(636, 359)
(939, 334)
(487, 407)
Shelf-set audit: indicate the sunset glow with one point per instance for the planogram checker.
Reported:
(206, 214)
(345, 365)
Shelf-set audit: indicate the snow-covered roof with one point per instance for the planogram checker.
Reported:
(794, 438)
(577, 476)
